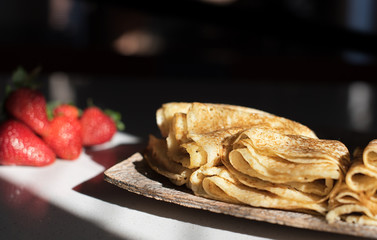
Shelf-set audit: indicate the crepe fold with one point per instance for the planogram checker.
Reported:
(355, 201)
(246, 156)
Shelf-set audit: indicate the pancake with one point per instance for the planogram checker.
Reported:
(157, 159)
(220, 184)
(356, 200)
(209, 117)
(207, 148)
(352, 207)
(246, 156)
(189, 127)
(165, 114)
(272, 156)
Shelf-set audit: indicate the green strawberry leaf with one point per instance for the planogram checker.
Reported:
(19, 75)
(117, 117)
(21, 78)
(8, 89)
(50, 106)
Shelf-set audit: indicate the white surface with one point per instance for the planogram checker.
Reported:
(125, 215)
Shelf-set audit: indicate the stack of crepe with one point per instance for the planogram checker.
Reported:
(246, 156)
(355, 200)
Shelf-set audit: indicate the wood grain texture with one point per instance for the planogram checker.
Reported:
(134, 175)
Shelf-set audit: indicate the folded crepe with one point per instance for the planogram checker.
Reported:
(194, 132)
(156, 156)
(282, 158)
(206, 117)
(193, 123)
(291, 171)
(352, 207)
(355, 201)
(220, 183)
(246, 156)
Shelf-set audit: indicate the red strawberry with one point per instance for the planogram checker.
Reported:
(64, 137)
(20, 146)
(66, 110)
(28, 106)
(97, 127)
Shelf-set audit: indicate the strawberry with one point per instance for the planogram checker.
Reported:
(66, 110)
(20, 146)
(28, 106)
(64, 137)
(97, 127)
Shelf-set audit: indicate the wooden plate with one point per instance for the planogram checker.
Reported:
(134, 175)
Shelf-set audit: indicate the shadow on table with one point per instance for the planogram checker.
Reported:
(98, 188)
(27, 216)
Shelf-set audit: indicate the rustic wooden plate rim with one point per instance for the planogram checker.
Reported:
(133, 174)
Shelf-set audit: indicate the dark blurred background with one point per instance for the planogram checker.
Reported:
(311, 61)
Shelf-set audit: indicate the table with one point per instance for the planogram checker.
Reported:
(70, 199)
